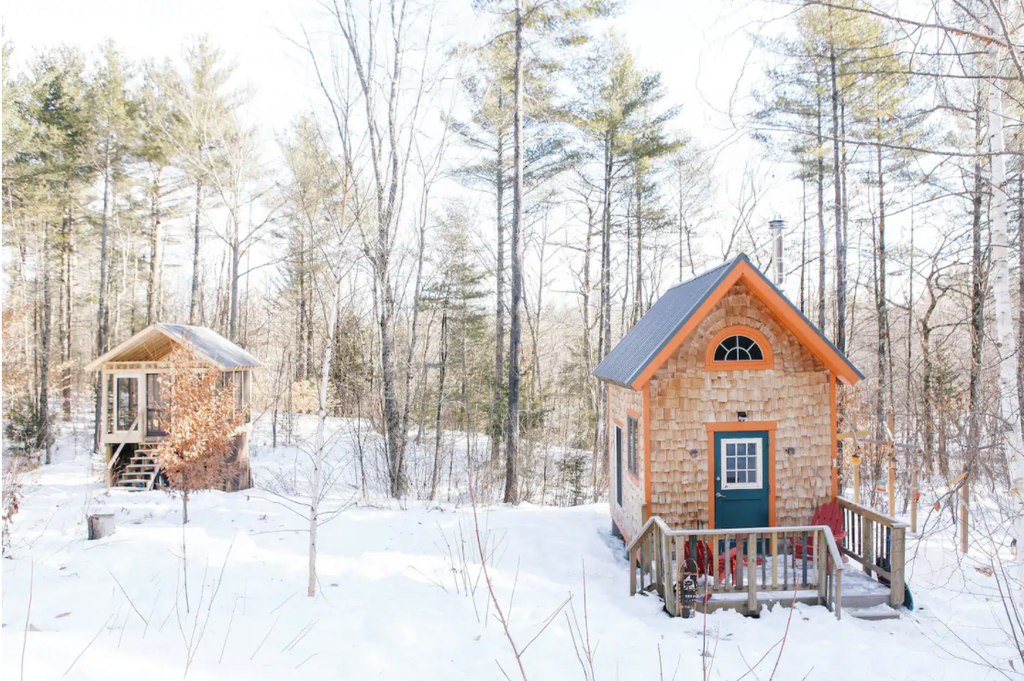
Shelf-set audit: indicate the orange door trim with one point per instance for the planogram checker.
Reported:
(739, 427)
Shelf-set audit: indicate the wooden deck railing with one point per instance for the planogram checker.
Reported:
(878, 543)
(734, 561)
(117, 452)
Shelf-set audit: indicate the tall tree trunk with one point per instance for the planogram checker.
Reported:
(417, 294)
(820, 177)
(928, 383)
(497, 401)
(803, 249)
(300, 344)
(977, 322)
(881, 306)
(516, 253)
(1020, 282)
(194, 308)
(588, 360)
(68, 309)
(236, 257)
(392, 410)
(442, 370)
(840, 337)
(101, 307)
(45, 338)
(638, 302)
(883, 402)
(153, 296)
(1001, 294)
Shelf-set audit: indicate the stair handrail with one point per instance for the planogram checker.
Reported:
(124, 440)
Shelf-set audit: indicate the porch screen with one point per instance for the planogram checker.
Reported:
(157, 413)
(127, 401)
(110, 404)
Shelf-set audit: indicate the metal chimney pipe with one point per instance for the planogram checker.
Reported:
(776, 226)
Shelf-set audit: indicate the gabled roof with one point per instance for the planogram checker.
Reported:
(670, 320)
(156, 341)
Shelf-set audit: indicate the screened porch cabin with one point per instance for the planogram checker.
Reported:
(723, 450)
(134, 415)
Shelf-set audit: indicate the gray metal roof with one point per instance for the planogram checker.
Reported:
(212, 344)
(652, 333)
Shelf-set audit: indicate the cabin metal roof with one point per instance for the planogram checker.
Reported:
(157, 340)
(642, 344)
(213, 345)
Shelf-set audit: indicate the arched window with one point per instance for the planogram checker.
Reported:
(739, 347)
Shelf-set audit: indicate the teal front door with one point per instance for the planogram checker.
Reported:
(741, 479)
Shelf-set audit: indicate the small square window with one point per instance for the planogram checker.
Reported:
(741, 463)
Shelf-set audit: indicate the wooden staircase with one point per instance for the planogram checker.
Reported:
(142, 470)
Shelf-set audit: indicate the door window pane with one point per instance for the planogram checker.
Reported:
(157, 413)
(742, 464)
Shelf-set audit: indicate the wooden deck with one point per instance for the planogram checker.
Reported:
(859, 592)
(745, 569)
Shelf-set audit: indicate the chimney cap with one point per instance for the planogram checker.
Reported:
(777, 223)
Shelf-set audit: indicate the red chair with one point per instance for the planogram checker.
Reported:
(732, 565)
(705, 561)
(830, 515)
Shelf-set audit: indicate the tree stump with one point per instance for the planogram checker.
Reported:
(100, 525)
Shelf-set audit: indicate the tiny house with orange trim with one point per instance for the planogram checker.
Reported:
(722, 408)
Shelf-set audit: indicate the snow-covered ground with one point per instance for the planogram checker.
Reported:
(401, 596)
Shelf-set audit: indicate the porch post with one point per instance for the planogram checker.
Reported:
(897, 556)
(668, 592)
(867, 540)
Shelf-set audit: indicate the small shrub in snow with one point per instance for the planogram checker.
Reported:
(196, 452)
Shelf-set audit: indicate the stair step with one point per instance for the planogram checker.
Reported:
(873, 614)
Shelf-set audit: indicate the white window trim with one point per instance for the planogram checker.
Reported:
(758, 459)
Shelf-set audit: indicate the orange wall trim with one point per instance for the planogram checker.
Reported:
(647, 443)
(739, 330)
(789, 317)
(741, 427)
(834, 413)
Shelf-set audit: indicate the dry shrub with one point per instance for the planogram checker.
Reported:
(198, 449)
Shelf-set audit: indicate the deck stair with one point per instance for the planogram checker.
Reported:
(142, 470)
(874, 613)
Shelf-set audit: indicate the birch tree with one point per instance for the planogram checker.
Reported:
(1001, 284)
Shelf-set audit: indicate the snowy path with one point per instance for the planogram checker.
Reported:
(393, 605)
